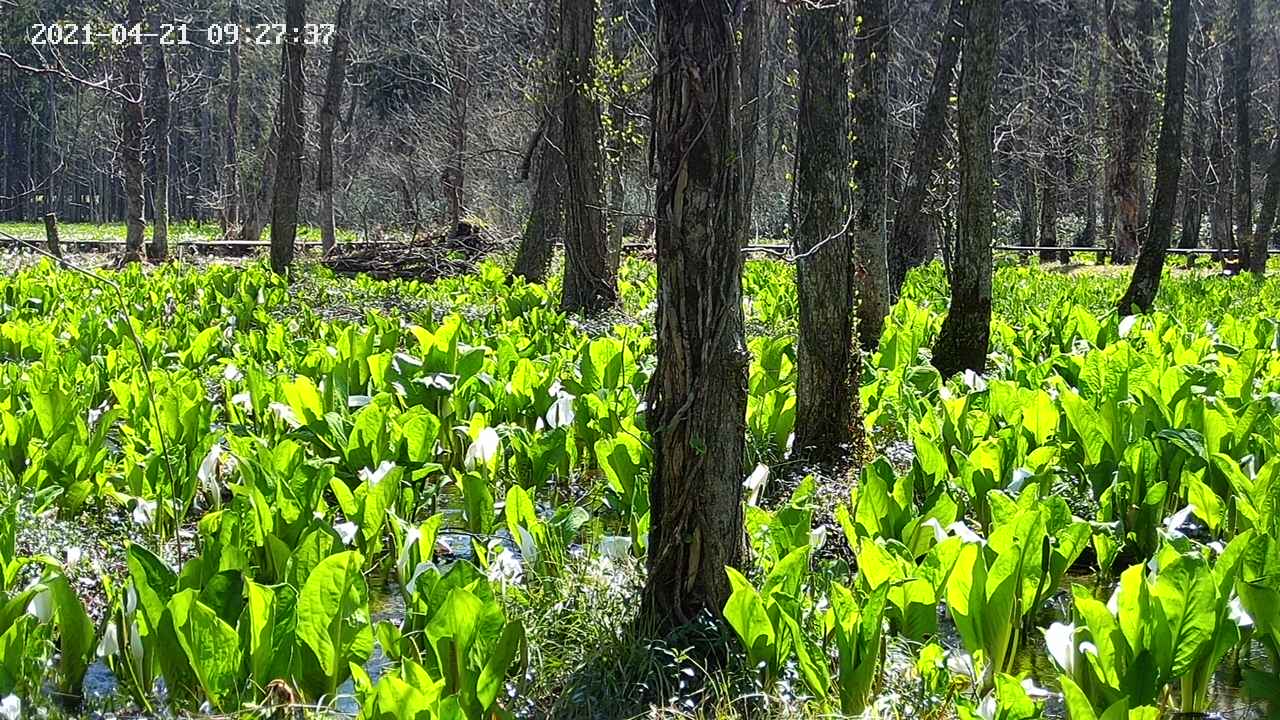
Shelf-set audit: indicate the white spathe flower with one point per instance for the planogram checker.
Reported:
(411, 539)
(1020, 477)
(614, 547)
(1113, 602)
(41, 606)
(987, 708)
(1238, 614)
(939, 532)
(285, 413)
(483, 450)
(1060, 641)
(109, 645)
(231, 373)
(506, 568)
(373, 477)
(962, 531)
(208, 472)
(561, 411)
(346, 531)
(10, 707)
(144, 512)
(755, 482)
(1174, 523)
(1034, 691)
(818, 537)
(74, 555)
(242, 400)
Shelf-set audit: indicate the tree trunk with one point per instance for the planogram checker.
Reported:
(546, 204)
(871, 116)
(826, 358)
(1193, 199)
(1253, 249)
(158, 106)
(231, 174)
(698, 392)
(910, 247)
(333, 83)
(588, 285)
(618, 121)
(1220, 179)
(1146, 275)
(1130, 115)
(251, 229)
(962, 343)
(288, 180)
(1049, 211)
(755, 23)
(459, 96)
(1270, 199)
(131, 135)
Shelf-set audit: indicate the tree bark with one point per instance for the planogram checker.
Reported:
(453, 181)
(288, 180)
(1146, 275)
(871, 116)
(158, 107)
(231, 174)
(256, 212)
(589, 286)
(546, 204)
(1253, 249)
(962, 343)
(1270, 199)
(909, 243)
(826, 359)
(618, 122)
(131, 138)
(1130, 115)
(333, 84)
(1193, 199)
(698, 393)
(755, 24)
(1049, 211)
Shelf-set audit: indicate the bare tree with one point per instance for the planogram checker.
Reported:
(589, 285)
(698, 393)
(909, 243)
(131, 137)
(454, 178)
(1129, 28)
(333, 84)
(158, 109)
(871, 119)
(231, 173)
(546, 210)
(966, 332)
(1253, 250)
(288, 180)
(1146, 275)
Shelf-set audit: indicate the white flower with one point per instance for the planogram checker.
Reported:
(242, 400)
(614, 547)
(962, 531)
(506, 568)
(561, 412)
(373, 477)
(346, 531)
(1088, 648)
(208, 472)
(1034, 691)
(818, 537)
(1238, 614)
(528, 547)
(74, 555)
(41, 606)
(1113, 602)
(231, 373)
(10, 707)
(1174, 523)
(483, 450)
(987, 709)
(1020, 477)
(939, 533)
(1060, 641)
(144, 512)
(285, 413)
(109, 646)
(755, 483)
